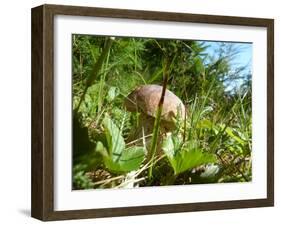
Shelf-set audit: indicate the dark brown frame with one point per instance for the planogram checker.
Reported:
(42, 203)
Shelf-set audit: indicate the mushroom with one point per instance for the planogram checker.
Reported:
(145, 100)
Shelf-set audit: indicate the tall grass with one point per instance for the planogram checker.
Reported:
(212, 144)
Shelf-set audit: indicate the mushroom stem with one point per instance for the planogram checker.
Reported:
(156, 127)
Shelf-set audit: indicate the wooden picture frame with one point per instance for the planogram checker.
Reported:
(42, 203)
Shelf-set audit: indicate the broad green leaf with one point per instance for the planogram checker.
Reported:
(119, 159)
(112, 94)
(115, 141)
(169, 147)
(185, 159)
(101, 149)
(188, 159)
(130, 159)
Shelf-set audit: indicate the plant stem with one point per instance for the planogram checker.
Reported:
(157, 121)
(184, 126)
(95, 71)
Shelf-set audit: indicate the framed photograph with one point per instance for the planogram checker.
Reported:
(141, 112)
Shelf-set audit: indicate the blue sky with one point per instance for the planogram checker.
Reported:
(243, 56)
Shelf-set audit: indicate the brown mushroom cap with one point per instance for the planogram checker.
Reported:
(146, 99)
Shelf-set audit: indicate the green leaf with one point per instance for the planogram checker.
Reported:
(205, 124)
(230, 133)
(119, 159)
(198, 66)
(184, 159)
(112, 94)
(101, 149)
(130, 159)
(115, 141)
(156, 75)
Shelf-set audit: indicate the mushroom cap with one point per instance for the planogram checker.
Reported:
(146, 99)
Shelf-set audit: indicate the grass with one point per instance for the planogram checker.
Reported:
(211, 144)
